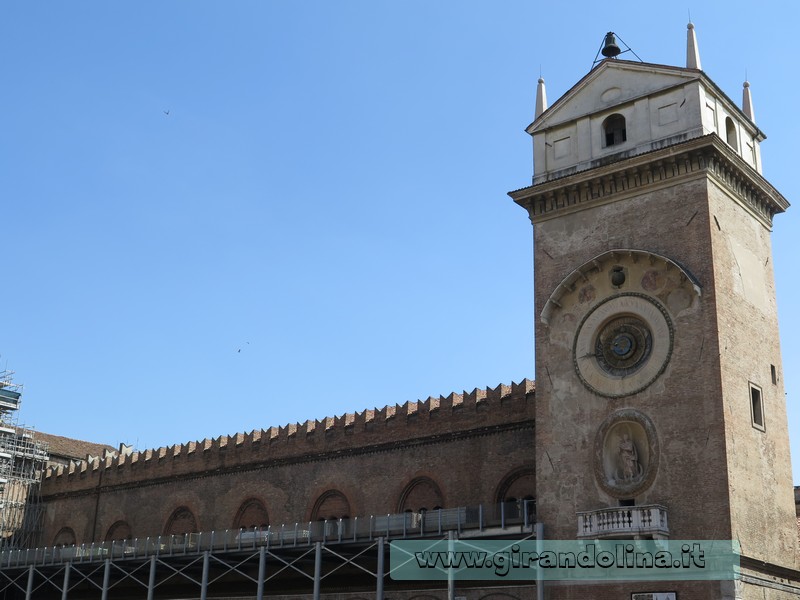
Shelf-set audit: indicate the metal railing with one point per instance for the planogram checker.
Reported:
(432, 523)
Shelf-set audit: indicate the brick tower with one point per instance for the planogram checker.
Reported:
(660, 409)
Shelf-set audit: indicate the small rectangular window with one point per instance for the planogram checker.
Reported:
(756, 407)
(774, 374)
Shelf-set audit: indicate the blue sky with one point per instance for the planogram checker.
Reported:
(220, 216)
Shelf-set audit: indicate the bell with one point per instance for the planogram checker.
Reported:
(610, 48)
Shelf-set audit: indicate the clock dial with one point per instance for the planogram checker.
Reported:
(622, 345)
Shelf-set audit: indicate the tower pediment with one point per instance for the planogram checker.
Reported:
(622, 109)
(612, 83)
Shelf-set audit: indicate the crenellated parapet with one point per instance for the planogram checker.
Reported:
(370, 430)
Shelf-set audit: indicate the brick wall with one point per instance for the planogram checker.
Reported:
(471, 447)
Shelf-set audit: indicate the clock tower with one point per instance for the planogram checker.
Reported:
(660, 410)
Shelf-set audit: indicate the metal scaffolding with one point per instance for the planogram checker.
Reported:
(22, 461)
(260, 570)
(297, 560)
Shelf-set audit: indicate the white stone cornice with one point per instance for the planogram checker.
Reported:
(626, 177)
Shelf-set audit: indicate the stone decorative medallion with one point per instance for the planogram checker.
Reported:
(623, 344)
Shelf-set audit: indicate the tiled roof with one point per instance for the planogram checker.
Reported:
(59, 446)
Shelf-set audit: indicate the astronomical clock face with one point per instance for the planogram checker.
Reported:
(623, 344)
(616, 316)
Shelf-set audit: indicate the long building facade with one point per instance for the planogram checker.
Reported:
(463, 450)
(654, 416)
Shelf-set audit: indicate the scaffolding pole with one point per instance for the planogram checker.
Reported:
(65, 588)
(29, 588)
(262, 572)
(22, 463)
(317, 569)
(379, 573)
(451, 581)
(106, 576)
(151, 582)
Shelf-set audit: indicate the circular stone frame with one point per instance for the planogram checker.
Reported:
(628, 318)
(623, 490)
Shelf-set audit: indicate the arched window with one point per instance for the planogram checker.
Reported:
(64, 537)
(614, 130)
(119, 531)
(332, 505)
(329, 508)
(251, 514)
(419, 495)
(515, 494)
(730, 133)
(181, 521)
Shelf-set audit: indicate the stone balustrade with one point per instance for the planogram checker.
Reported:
(625, 522)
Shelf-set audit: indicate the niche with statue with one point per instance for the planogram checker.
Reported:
(626, 453)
